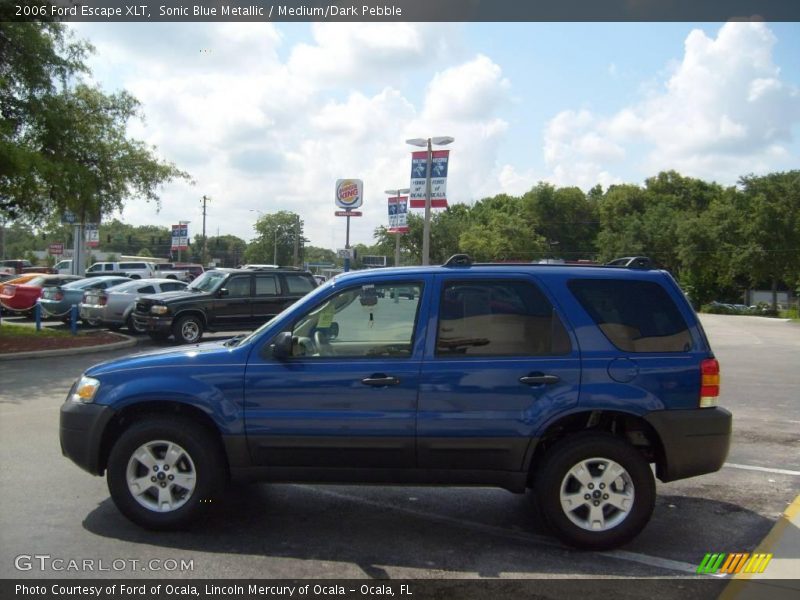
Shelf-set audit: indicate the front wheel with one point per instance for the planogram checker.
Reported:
(595, 491)
(188, 330)
(130, 323)
(164, 472)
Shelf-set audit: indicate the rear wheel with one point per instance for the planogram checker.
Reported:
(164, 472)
(595, 491)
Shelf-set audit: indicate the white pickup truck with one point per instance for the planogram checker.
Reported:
(132, 269)
(179, 272)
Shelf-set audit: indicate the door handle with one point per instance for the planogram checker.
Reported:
(380, 380)
(539, 379)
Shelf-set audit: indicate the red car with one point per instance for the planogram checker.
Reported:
(22, 297)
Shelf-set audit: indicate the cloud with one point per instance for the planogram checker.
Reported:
(723, 111)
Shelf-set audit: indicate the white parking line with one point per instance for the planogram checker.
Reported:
(763, 469)
(635, 557)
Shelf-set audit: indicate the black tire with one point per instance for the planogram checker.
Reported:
(130, 323)
(599, 450)
(135, 276)
(205, 465)
(188, 329)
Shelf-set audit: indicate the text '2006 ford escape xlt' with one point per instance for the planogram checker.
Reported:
(570, 380)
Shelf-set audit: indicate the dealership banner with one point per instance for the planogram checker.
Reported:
(419, 168)
(398, 214)
(180, 237)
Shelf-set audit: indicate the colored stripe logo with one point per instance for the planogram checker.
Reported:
(740, 562)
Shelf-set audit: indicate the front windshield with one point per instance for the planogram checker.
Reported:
(207, 282)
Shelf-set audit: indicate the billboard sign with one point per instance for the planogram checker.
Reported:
(349, 193)
(398, 214)
(91, 235)
(419, 167)
(180, 237)
(55, 249)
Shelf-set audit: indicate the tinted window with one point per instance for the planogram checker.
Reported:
(131, 265)
(94, 268)
(172, 286)
(238, 287)
(266, 285)
(498, 318)
(299, 284)
(636, 316)
(108, 267)
(148, 289)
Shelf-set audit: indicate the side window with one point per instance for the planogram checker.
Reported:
(94, 268)
(173, 286)
(108, 267)
(266, 285)
(359, 322)
(148, 289)
(238, 286)
(298, 284)
(498, 318)
(636, 316)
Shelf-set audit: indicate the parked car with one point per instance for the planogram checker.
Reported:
(194, 269)
(402, 292)
(47, 270)
(64, 266)
(57, 301)
(572, 381)
(113, 307)
(22, 297)
(15, 266)
(130, 269)
(221, 300)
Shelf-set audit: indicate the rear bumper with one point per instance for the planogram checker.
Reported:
(81, 429)
(694, 441)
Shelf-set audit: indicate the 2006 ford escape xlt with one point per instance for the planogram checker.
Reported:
(571, 380)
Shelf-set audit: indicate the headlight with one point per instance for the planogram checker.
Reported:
(159, 309)
(85, 390)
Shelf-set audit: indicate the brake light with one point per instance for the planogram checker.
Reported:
(102, 300)
(709, 385)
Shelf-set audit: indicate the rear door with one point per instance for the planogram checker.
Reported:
(234, 310)
(269, 298)
(499, 362)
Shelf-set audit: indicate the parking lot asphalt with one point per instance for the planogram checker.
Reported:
(49, 506)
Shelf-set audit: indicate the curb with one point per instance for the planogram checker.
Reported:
(127, 342)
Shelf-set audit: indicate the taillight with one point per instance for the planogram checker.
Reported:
(102, 300)
(709, 385)
(58, 296)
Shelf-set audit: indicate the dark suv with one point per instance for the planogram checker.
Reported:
(221, 300)
(569, 380)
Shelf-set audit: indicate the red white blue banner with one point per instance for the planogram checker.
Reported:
(419, 170)
(180, 237)
(398, 214)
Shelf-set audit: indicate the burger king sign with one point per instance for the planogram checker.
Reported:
(349, 193)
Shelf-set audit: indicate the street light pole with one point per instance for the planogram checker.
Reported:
(426, 228)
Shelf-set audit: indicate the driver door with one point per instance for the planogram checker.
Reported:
(346, 397)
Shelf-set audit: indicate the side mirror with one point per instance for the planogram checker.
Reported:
(282, 345)
(223, 292)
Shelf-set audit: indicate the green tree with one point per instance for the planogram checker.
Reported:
(275, 239)
(64, 145)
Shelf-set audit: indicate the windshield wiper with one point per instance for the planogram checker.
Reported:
(235, 340)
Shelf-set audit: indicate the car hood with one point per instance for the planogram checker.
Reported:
(207, 354)
(176, 296)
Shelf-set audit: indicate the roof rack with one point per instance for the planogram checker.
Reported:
(458, 260)
(628, 262)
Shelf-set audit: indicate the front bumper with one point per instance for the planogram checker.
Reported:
(694, 441)
(81, 429)
(153, 323)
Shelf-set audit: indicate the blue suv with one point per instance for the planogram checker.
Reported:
(570, 380)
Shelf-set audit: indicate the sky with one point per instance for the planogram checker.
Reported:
(267, 117)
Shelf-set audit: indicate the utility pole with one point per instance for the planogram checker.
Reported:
(296, 240)
(205, 241)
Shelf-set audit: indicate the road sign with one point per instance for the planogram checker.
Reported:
(180, 236)
(55, 249)
(348, 213)
(69, 217)
(349, 193)
(345, 253)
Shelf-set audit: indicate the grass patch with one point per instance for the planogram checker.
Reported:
(25, 331)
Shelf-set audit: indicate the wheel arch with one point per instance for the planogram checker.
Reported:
(630, 427)
(133, 413)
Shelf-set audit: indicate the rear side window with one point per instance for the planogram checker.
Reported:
(498, 318)
(299, 284)
(266, 285)
(148, 289)
(636, 316)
